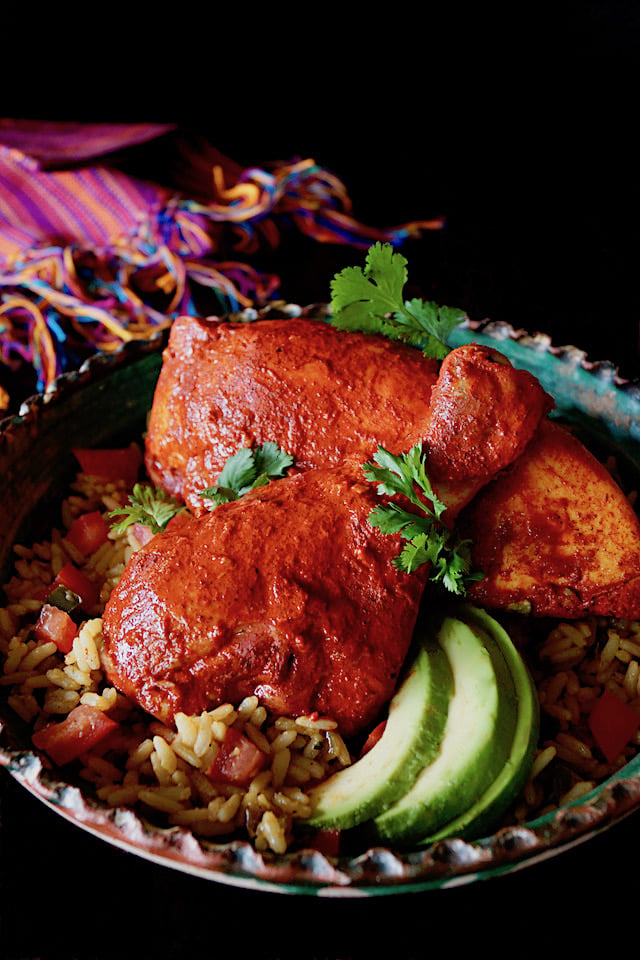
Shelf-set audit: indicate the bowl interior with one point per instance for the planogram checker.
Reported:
(105, 404)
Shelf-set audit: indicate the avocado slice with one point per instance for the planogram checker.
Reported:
(517, 684)
(411, 739)
(476, 738)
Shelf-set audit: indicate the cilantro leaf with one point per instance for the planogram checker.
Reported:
(371, 300)
(416, 552)
(246, 469)
(365, 296)
(238, 472)
(401, 474)
(436, 322)
(270, 461)
(393, 519)
(149, 506)
(428, 540)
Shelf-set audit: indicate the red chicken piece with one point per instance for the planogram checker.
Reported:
(325, 395)
(483, 413)
(287, 593)
(555, 535)
(319, 393)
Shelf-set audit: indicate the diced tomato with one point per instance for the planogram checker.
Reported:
(613, 723)
(88, 532)
(77, 581)
(122, 463)
(238, 760)
(55, 624)
(81, 730)
(373, 737)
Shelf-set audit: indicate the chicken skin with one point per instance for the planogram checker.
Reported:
(483, 413)
(287, 593)
(323, 396)
(320, 394)
(555, 535)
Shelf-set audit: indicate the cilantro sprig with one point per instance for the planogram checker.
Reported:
(370, 300)
(148, 505)
(428, 539)
(247, 469)
(242, 471)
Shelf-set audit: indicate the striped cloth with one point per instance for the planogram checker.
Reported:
(91, 257)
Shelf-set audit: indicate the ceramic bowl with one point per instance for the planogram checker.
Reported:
(105, 403)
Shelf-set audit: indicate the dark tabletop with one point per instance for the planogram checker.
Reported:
(541, 232)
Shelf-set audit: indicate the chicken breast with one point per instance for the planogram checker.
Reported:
(555, 535)
(325, 395)
(320, 394)
(287, 593)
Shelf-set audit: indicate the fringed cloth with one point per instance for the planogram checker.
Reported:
(91, 257)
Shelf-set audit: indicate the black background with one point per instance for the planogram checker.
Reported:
(533, 161)
(536, 175)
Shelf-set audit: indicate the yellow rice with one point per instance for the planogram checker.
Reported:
(162, 771)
